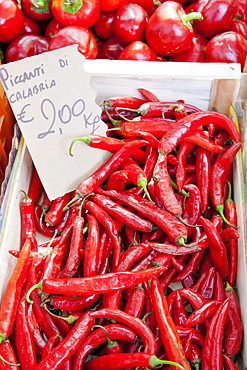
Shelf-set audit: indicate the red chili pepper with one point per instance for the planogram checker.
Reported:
(195, 357)
(92, 182)
(179, 315)
(8, 358)
(35, 187)
(228, 363)
(201, 139)
(50, 344)
(98, 336)
(134, 322)
(23, 339)
(183, 151)
(136, 174)
(12, 294)
(164, 109)
(196, 335)
(148, 95)
(217, 247)
(219, 174)
(203, 171)
(192, 206)
(194, 298)
(55, 211)
(121, 360)
(117, 180)
(135, 302)
(40, 225)
(202, 313)
(233, 332)
(69, 345)
(171, 225)
(151, 158)
(124, 102)
(212, 349)
(148, 315)
(186, 125)
(206, 286)
(27, 219)
(190, 267)
(39, 342)
(171, 341)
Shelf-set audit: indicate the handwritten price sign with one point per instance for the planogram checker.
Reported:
(53, 102)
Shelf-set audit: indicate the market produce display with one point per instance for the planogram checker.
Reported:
(139, 263)
(178, 31)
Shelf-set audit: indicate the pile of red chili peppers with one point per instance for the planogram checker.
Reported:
(140, 263)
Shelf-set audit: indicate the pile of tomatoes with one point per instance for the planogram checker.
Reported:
(152, 30)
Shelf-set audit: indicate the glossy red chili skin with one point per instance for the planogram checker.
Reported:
(166, 33)
(37, 10)
(70, 35)
(130, 23)
(194, 53)
(11, 21)
(227, 47)
(137, 50)
(104, 25)
(76, 13)
(25, 46)
(217, 16)
(239, 26)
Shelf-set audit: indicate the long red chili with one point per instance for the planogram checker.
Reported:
(55, 211)
(183, 151)
(27, 219)
(203, 171)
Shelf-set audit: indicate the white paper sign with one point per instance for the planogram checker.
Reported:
(53, 102)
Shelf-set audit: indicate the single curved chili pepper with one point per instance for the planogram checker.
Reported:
(206, 287)
(163, 187)
(170, 337)
(123, 102)
(12, 293)
(104, 219)
(179, 315)
(54, 261)
(228, 363)
(55, 211)
(196, 335)
(231, 216)
(135, 302)
(117, 180)
(183, 150)
(148, 95)
(112, 300)
(233, 331)
(68, 346)
(147, 314)
(164, 109)
(217, 247)
(134, 322)
(23, 339)
(39, 342)
(203, 171)
(192, 206)
(218, 177)
(151, 158)
(171, 225)
(35, 187)
(74, 259)
(191, 266)
(67, 303)
(40, 225)
(201, 139)
(195, 357)
(91, 246)
(194, 298)
(27, 219)
(97, 284)
(90, 184)
(212, 349)
(202, 313)
(121, 360)
(50, 344)
(8, 360)
(122, 213)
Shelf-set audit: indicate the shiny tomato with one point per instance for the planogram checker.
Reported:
(11, 20)
(83, 13)
(168, 31)
(110, 49)
(137, 50)
(25, 46)
(71, 35)
(194, 53)
(30, 26)
(227, 47)
(111, 5)
(104, 26)
(217, 16)
(130, 23)
(52, 28)
(38, 10)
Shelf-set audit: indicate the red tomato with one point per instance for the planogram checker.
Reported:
(227, 47)
(167, 32)
(30, 26)
(11, 20)
(217, 16)
(194, 53)
(111, 5)
(25, 46)
(130, 23)
(52, 28)
(76, 12)
(110, 49)
(70, 35)
(239, 26)
(138, 50)
(103, 27)
(38, 10)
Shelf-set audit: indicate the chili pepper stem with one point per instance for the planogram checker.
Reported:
(220, 209)
(72, 202)
(30, 290)
(181, 241)
(70, 319)
(179, 216)
(142, 183)
(154, 361)
(85, 139)
(114, 122)
(8, 363)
